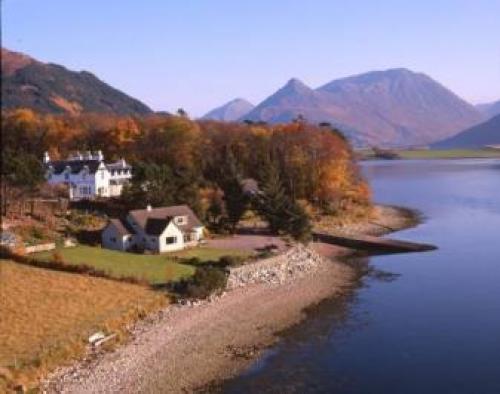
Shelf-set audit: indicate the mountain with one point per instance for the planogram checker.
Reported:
(293, 99)
(231, 111)
(489, 109)
(487, 133)
(391, 108)
(51, 88)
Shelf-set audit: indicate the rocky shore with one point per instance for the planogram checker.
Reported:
(185, 347)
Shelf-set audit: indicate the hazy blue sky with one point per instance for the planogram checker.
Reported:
(199, 54)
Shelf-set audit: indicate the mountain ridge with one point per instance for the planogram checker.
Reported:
(52, 88)
(489, 109)
(389, 107)
(479, 136)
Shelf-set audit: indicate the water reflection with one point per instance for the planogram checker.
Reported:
(426, 323)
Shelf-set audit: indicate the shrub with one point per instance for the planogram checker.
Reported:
(207, 280)
(57, 258)
(230, 261)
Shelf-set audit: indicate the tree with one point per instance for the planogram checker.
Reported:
(229, 180)
(282, 213)
(151, 184)
(182, 112)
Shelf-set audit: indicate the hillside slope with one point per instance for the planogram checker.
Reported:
(51, 88)
(489, 109)
(487, 133)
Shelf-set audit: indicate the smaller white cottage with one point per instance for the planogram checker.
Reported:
(158, 230)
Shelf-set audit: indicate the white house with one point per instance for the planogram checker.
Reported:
(87, 175)
(158, 230)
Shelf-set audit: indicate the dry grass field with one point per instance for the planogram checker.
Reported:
(46, 317)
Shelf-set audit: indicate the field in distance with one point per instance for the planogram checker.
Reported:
(368, 154)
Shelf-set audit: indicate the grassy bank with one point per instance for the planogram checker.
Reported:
(154, 269)
(47, 316)
(435, 154)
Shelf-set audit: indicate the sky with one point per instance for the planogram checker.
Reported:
(200, 54)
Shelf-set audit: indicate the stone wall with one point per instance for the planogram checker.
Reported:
(39, 248)
(295, 262)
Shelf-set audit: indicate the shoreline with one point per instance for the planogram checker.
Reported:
(189, 348)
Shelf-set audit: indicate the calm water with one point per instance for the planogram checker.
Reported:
(435, 328)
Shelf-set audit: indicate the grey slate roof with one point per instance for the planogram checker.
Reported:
(75, 165)
(142, 216)
(122, 227)
(118, 165)
(156, 226)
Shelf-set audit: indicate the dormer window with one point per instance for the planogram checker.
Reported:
(180, 220)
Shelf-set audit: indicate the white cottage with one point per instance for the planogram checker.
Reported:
(158, 230)
(87, 175)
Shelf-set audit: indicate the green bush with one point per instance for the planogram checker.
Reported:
(207, 280)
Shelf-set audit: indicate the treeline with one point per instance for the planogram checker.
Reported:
(201, 163)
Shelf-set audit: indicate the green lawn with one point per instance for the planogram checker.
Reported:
(449, 154)
(436, 154)
(155, 269)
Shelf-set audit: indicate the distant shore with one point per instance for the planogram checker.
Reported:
(423, 154)
(184, 348)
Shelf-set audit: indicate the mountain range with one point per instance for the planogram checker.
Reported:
(51, 88)
(394, 107)
(487, 133)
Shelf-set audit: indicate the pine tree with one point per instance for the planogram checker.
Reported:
(229, 180)
(282, 213)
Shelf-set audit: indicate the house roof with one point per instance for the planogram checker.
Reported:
(143, 216)
(122, 226)
(118, 165)
(155, 226)
(75, 165)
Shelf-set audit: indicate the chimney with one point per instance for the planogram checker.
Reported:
(149, 208)
(99, 156)
(46, 158)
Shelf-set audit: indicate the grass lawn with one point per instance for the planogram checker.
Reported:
(449, 154)
(156, 269)
(437, 154)
(47, 317)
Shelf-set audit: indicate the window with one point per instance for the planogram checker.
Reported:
(170, 240)
(102, 174)
(113, 239)
(187, 238)
(66, 176)
(180, 220)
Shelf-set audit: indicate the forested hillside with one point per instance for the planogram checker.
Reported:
(197, 163)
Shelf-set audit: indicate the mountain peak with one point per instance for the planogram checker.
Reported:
(231, 111)
(296, 84)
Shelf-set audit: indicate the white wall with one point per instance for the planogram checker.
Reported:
(171, 231)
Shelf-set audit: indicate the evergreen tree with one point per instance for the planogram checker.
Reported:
(282, 213)
(229, 180)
